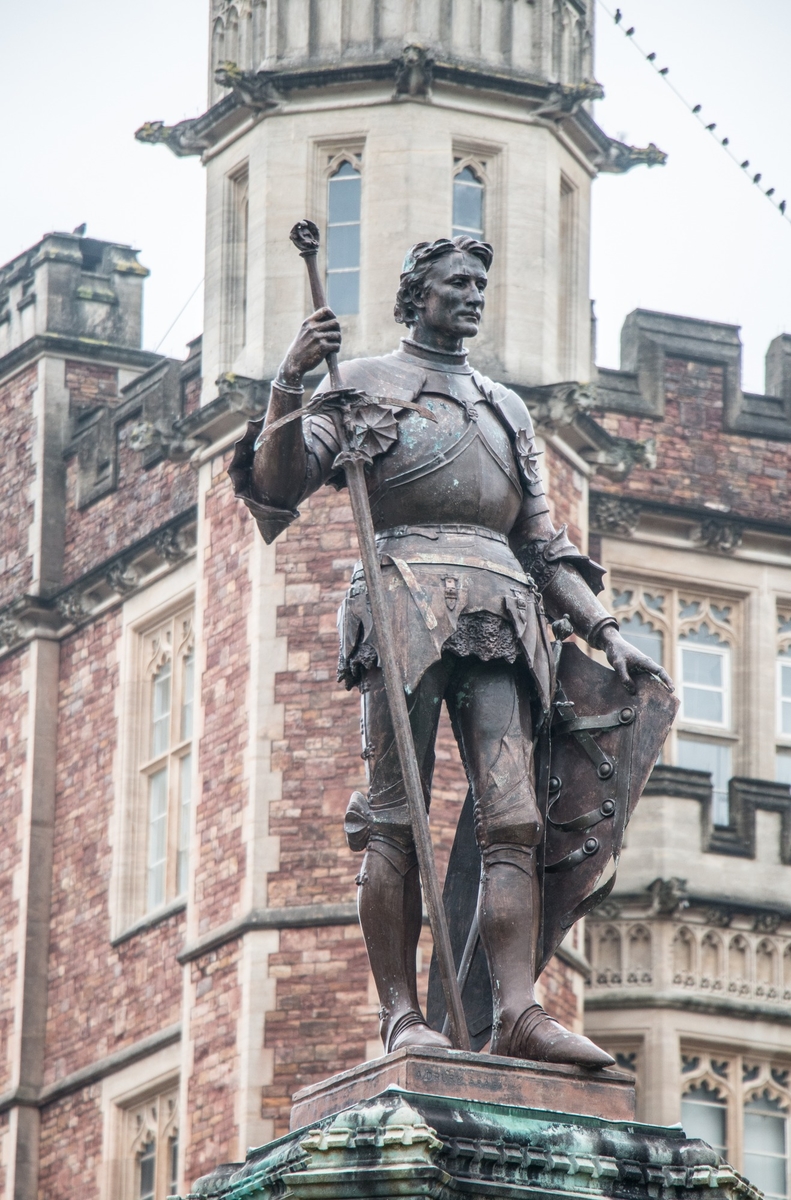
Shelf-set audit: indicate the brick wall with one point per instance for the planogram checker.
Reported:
(13, 705)
(71, 1146)
(219, 869)
(213, 1082)
(143, 501)
(100, 999)
(16, 479)
(90, 384)
(697, 462)
(567, 495)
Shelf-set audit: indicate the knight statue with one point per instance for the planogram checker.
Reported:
(475, 573)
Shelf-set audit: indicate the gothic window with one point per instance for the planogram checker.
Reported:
(468, 201)
(766, 1145)
(344, 199)
(166, 769)
(695, 639)
(235, 264)
(704, 1115)
(152, 1147)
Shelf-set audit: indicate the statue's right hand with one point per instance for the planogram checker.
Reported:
(319, 335)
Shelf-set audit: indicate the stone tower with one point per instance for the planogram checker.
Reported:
(410, 118)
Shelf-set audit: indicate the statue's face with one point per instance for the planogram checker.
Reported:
(453, 295)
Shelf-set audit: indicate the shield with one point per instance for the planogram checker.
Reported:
(591, 765)
(603, 744)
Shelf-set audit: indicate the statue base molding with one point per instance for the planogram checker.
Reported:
(403, 1143)
(455, 1073)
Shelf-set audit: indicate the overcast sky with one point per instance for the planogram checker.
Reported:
(77, 77)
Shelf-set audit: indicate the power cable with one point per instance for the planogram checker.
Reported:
(696, 110)
(180, 314)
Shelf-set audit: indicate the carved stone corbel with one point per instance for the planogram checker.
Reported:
(614, 514)
(255, 89)
(620, 158)
(564, 100)
(414, 72)
(723, 534)
(180, 138)
(557, 405)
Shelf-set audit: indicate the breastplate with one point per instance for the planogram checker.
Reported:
(460, 470)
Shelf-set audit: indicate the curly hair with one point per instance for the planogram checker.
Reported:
(416, 267)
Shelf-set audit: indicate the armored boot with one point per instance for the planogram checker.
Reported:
(508, 915)
(391, 913)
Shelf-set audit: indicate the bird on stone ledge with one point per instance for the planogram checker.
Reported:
(81, 230)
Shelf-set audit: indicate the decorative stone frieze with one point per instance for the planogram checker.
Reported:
(721, 534)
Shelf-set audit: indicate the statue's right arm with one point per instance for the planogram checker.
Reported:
(280, 465)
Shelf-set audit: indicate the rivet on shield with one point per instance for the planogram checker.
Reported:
(608, 808)
(604, 770)
(591, 846)
(626, 716)
(554, 783)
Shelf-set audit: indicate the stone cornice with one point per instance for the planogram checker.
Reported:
(618, 514)
(297, 917)
(85, 1076)
(714, 1006)
(100, 589)
(75, 347)
(413, 75)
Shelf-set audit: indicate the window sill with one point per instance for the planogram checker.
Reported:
(711, 732)
(150, 920)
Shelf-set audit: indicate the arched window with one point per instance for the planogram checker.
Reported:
(468, 196)
(608, 956)
(765, 964)
(343, 239)
(703, 1115)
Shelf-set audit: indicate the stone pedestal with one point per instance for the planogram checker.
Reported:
(465, 1076)
(413, 1142)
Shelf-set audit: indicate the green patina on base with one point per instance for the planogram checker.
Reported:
(407, 1144)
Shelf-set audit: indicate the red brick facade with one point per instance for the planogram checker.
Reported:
(697, 462)
(16, 478)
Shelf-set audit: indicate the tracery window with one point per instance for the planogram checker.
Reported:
(344, 205)
(152, 1147)
(740, 1106)
(166, 769)
(469, 192)
(694, 638)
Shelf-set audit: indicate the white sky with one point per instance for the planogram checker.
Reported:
(77, 77)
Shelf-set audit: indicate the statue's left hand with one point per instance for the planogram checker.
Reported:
(626, 660)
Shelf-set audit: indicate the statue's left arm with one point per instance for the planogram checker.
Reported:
(568, 581)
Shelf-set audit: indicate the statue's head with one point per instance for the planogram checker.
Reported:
(442, 285)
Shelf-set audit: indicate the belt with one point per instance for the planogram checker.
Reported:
(459, 560)
(434, 531)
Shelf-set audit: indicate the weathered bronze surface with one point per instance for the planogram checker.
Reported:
(462, 572)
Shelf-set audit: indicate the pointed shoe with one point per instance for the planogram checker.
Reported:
(540, 1038)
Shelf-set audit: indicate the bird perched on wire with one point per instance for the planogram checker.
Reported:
(618, 16)
(81, 230)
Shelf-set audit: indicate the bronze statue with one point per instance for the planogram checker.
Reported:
(473, 571)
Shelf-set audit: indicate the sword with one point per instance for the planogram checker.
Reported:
(305, 236)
